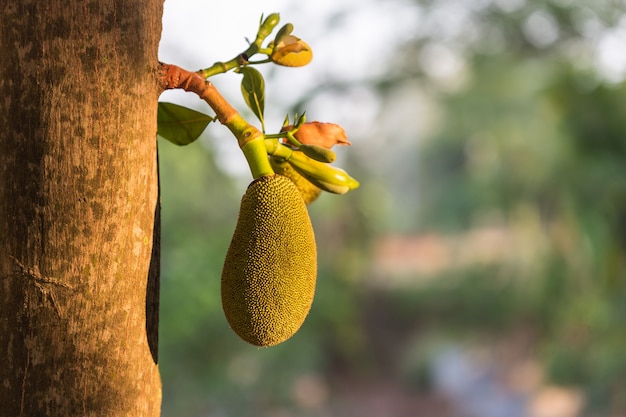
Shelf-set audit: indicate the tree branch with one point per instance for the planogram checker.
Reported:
(173, 77)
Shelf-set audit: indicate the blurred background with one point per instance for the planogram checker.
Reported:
(479, 271)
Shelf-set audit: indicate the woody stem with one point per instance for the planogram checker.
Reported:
(173, 77)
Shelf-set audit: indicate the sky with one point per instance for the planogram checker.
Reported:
(354, 44)
(202, 32)
(351, 40)
(196, 34)
(346, 46)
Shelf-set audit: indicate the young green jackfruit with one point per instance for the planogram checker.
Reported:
(269, 274)
(308, 191)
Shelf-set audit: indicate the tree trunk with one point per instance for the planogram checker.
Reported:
(78, 192)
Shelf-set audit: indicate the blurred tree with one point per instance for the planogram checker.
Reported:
(535, 129)
(528, 134)
(525, 132)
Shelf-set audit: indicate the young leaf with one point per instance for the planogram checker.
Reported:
(180, 125)
(284, 31)
(291, 52)
(253, 91)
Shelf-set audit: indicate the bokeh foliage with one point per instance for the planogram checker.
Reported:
(530, 139)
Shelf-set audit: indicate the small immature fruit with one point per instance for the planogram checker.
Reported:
(308, 191)
(269, 274)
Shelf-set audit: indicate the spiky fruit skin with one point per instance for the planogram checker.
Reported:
(308, 191)
(269, 274)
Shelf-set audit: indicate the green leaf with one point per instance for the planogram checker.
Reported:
(253, 91)
(181, 125)
(300, 120)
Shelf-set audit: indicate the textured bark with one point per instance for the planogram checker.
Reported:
(78, 193)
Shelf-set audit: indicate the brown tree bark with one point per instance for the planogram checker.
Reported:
(78, 191)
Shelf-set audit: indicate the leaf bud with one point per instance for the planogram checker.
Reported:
(268, 25)
(321, 134)
(284, 31)
(291, 52)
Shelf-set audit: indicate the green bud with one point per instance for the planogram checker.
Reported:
(319, 153)
(286, 121)
(268, 26)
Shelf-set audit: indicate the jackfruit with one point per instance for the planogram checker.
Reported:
(269, 274)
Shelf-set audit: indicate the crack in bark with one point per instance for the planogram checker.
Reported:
(23, 399)
(39, 280)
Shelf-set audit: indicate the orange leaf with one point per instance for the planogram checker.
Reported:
(321, 134)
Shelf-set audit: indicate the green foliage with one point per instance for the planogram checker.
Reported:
(192, 318)
(532, 142)
(530, 137)
(253, 91)
(180, 125)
